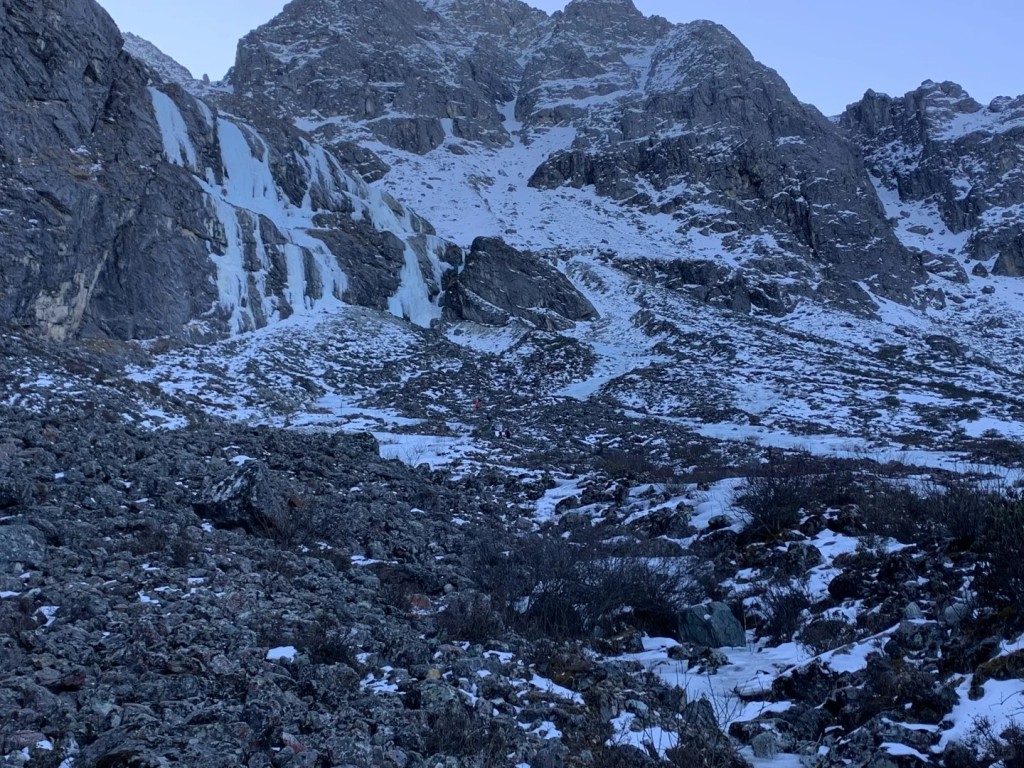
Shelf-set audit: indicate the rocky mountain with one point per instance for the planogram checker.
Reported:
(677, 122)
(462, 385)
(169, 70)
(953, 160)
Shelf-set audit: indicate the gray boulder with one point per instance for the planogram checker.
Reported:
(21, 544)
(249, 498)
(712, 625)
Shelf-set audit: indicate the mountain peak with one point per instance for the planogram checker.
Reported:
(600, 8)
(608, 20)
(168, 68)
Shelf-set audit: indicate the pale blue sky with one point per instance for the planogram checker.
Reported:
(829, 52)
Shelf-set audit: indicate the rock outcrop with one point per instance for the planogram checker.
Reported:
(937, 147)
(137, 202)
(498, 283)
(88, 213)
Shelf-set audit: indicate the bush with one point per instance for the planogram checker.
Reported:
(288, 527)
(704, 746)
(470, 616)
(458, 732)
(623, 756)
(1001, 582)
(780, 488)
(565, 589)
(983, 747)
(783, 613)
(827, 634)
(963, 511)
(633, 466)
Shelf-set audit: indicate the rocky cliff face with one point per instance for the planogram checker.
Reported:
(138, 202)
(169, 70)
(433, 67)
(129, 208)
(938, 151)
(88, 214)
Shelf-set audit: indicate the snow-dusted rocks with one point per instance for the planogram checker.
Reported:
(951, 168)
(169, 70)
(431, 69)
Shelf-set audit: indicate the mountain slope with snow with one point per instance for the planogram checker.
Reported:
(602, 113)
(463, 385)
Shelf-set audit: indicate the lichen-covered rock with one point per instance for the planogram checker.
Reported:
(23, 545)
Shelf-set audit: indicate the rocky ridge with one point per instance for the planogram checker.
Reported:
(939, 149)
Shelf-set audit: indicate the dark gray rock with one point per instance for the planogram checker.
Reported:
(131, 208)
(687, 121)
(765, 160)
(170, 71)
(88, 215)
(712, 625)
(498, 282)
(14, 492)
(21, 544)
(248, 498)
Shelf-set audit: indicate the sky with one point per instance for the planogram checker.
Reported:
(829, 52)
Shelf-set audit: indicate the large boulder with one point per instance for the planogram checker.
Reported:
(712, 625)
(249, 498)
